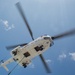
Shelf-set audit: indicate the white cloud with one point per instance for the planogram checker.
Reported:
(6, 25)
(62, 56)
(48, 61)
(31, 65)
(72, 55)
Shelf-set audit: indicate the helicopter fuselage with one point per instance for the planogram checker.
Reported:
(23, 55)
(31, 50)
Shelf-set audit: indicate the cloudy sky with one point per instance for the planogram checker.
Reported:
(45, 17)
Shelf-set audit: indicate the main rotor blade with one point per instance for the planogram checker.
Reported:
(11, 47)
(68, 33)
(45, 64)
(19, 7)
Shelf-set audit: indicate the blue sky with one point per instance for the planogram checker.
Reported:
(45, 17)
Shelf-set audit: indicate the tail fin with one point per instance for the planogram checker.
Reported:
(5, 67)
(6, 63)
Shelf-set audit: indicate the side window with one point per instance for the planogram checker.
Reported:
(26, 54)
(39, 48)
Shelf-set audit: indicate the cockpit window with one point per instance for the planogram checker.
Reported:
(46, 38)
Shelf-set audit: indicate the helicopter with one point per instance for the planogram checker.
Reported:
(24, 53)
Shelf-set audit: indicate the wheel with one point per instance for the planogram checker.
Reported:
(24, 65)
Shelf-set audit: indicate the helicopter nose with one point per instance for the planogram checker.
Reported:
(47, 38)
(50, 39)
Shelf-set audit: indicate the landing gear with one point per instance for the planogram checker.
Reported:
(24, 65)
